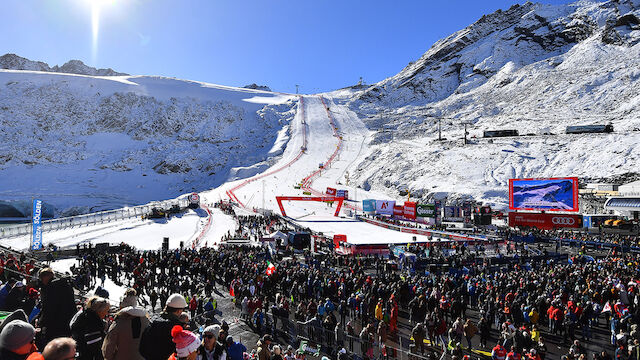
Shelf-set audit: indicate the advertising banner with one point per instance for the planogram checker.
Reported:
(339, 238)
(466, 212)
(385, 207)
(551, 194)
(36, 239)
(438, 206)
(343, 194)
(545, 221)
(398, 210)
(369, 205)
(453, 214)
(426, 210)
(331, 191)
(409, 210)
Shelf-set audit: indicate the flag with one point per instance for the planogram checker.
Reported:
(270, 268)
(606, 308)
(231, 292)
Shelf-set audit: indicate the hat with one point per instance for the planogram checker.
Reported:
(16, 315)
(212, 329)
(176, 301)
(266, 337)
(33, 293)
(19, 284)
(16, 334)
(186, 342)
(229, 339)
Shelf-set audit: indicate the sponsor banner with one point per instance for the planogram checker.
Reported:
(369, 205)
(545, 221)
(453, 214)
(339, 238)
(343, 194)
(466, 211)
(426, 210)
(439, 234)
(409, 210)
(550, 194)
(385, 207)
(331, 191)
(438, 206)
(36, 239)
(398, 210)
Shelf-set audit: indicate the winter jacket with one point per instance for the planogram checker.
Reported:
(235, 351)
(57, 308)
(263, 351)
(123, 338)
(8, 355)
(87, 329)
(219, 353)
(156, 342)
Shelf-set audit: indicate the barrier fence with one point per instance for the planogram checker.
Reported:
(330, 342)
(91, 219)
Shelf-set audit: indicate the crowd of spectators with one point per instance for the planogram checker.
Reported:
(360, 306)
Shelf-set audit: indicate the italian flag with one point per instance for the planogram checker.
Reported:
(270, 268)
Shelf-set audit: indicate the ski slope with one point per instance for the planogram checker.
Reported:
(322, 131)
(345, 144)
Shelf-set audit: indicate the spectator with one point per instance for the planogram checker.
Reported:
(60, 349)
(186, 344)
(156, 342)
(57, 305)
(17, 341)
(211, 349)
(235, 350)
(88, 328)
(123, 338)
(264, 353)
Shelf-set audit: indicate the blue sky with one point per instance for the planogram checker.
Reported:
(320, 45)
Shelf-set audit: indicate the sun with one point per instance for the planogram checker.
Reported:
(96, 7)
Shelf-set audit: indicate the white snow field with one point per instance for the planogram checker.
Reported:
(90, 143)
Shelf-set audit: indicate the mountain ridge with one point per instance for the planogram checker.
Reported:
(15, 62)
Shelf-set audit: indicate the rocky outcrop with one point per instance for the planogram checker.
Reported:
(15, 62)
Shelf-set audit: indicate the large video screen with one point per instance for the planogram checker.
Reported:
(554, 194)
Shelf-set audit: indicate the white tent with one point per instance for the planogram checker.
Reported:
(279, 235)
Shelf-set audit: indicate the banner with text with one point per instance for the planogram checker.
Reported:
(385, 207)
(426, 210)
(36, 239)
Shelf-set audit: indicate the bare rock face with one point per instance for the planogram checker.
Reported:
(15, 62)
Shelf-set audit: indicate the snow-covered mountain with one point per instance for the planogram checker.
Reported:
(534, 68)
(85, 143)
(15, 62)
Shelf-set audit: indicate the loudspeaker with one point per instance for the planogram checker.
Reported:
(165, 244)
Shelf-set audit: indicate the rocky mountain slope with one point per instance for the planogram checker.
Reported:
(15, 62)
(534, 68)
(84, 143)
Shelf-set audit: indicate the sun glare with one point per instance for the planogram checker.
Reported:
(96, 7)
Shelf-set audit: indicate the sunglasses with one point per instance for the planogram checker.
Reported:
(209, 336)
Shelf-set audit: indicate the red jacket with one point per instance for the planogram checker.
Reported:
(499, 352)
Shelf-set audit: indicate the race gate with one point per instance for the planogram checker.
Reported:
(279, 199)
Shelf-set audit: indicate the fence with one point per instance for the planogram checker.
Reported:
(91, 219)
(325, 341)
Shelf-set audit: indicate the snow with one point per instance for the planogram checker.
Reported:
(88, 143)
(142, 234)
(534, 68)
